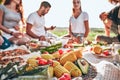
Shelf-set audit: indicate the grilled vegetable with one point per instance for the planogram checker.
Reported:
(74, 70)
(68, 57)
(83, 65)
(60, 70)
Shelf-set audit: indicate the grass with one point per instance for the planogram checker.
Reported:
(93, 32)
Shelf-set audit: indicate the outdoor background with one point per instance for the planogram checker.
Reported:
(61, 11)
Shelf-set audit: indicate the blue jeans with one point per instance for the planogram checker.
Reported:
(80, 35)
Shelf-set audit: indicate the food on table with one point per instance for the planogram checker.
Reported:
(5, 61)
(15, 52)
(97, 49)
(50, 71)
(106, 52)
(47, 56)
(55, 63)
(83, 65)
(68, 57)
(78, 53)
(60, 70)
(74, 70)
(65, 76)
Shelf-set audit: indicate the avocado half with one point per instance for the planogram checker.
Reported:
(83, 65)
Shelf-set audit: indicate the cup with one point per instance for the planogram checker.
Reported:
(116, 55)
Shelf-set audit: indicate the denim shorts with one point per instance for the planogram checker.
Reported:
(81, 35)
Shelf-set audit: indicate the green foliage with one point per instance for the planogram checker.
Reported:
(93, 32)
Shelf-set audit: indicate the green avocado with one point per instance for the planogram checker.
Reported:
(83, 65)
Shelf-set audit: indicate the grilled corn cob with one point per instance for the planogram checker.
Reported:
(47, 56)
(60, 70)
(68, 57)
(71, 66)
(78, 53)
(50, 71)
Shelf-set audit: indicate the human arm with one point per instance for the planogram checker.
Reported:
(86, 28)
(50, 28)
(1, 40)
(6, 30)
(29, 31)
(70, 31)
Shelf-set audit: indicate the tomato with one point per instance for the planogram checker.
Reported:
(106, 52)
(50, 61)
(62, 78)
(60, 51)
(42, 61)
(65, 76)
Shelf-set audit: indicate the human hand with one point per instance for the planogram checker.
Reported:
(42, 38)
(1, 40)
(16, 28)
(17, 35)
(52, 27)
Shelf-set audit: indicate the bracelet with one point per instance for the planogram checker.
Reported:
(11, 33)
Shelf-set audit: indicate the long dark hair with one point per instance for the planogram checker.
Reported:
(19, 8)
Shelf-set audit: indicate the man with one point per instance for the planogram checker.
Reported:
(36, 22)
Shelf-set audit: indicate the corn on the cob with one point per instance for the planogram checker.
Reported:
(55, 63)
(28, 68)
(32, 62)
(68, 57)
(60, 70)
(47, 56)
(78, 53)
(71, 66)
(75, 72)
(56, 55)
(50, 71)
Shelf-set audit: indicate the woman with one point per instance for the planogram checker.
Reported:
(1, 40)
(114, 17)
(78, 23)
(11, 15)
(107, 23)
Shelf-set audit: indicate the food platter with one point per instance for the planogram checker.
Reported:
(103, 55)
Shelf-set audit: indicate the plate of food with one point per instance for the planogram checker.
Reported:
(102, 52)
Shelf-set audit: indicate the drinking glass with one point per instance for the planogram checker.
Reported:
(116, 55)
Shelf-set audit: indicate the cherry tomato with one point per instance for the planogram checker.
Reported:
(42, 62)
(60, 51)
(106, 52)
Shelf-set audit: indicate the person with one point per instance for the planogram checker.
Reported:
(78, 23)
(107, 22)
(1, 40)
(114, 16)
(36, 23)
(11, 14)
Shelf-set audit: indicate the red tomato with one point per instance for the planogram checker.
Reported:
(60, 51)
(67, 76)
(50, 62)
(42, 62)
(106, 52)
(62, 78)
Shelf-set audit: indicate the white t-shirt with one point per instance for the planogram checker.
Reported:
(38, 23)
(77, 24)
